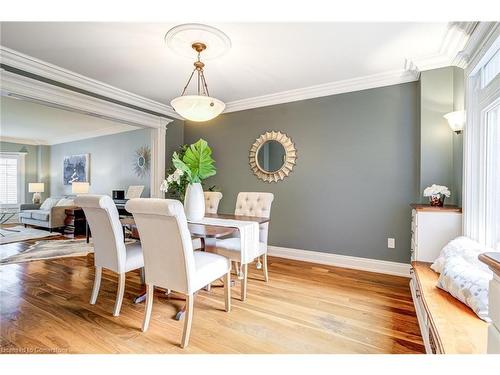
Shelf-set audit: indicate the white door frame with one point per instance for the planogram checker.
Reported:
(24, 88)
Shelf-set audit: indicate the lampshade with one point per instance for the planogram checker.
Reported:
(456, 120)
(36, 187)
(198, 107)
(80, 187)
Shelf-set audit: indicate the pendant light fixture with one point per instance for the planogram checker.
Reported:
(200, 107)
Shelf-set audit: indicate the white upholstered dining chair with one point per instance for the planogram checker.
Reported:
(110, 250)
(248, 204)
(212, 200)
(169, 259)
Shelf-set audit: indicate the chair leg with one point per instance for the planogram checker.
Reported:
(97, 285)
(227, 291)
(264, 268)
(244, 281)
(149, 306)
(188, 320)
(119, 294)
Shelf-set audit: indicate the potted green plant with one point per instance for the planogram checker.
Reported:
(195, 165)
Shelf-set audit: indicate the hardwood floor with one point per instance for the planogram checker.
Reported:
(305, 308)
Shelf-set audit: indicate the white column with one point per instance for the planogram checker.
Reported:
(158, 157)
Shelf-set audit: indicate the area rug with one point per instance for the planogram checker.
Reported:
(23, 234)
(43, 250)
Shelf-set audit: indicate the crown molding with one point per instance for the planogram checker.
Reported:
(24, 141)
(483, 37)
(44, 69)
(457, 36)
(326, 89)
(454, 40)
(24, 88)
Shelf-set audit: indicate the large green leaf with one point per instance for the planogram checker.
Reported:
(179, 164)
(198, 158)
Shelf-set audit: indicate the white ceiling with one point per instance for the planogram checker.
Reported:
(26, 122)
(265, 58)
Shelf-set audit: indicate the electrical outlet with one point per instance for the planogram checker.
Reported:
(391, 243)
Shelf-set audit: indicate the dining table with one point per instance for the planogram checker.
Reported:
(208, 235)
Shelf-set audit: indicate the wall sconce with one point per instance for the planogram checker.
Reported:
(456, 120)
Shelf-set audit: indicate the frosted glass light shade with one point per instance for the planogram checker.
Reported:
(80, 187)
(456, 120)
(198, 107)
(36, 187)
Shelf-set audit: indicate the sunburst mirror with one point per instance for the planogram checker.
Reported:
(272, 156)
(142, 161)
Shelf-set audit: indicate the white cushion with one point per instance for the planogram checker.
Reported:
(467, 283)
(49, 203)
(462, 247)
(231, 247)
(196, 243)
(209, 267)
(65, 202)
(134, 257)
(40, 215)
(26, 213)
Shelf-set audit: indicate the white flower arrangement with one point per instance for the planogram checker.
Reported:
(174, 178)
(437, 190)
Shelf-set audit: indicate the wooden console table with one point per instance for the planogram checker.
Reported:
(493, 261)
(75, 222)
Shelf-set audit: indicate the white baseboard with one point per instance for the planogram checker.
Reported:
(365, 264)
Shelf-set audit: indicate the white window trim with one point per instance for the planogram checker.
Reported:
(21, 173)
(479, 100)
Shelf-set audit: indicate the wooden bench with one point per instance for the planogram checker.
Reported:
(447, 325)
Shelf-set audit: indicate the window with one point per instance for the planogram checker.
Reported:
(490, 70)
(482, 151)
(492, 196)
(11, 178)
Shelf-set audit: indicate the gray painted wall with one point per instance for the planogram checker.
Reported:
(175, 139)
(356, 173)
(111, 162)
(441, 91)
(36, 157)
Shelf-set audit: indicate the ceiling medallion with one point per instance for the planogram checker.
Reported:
(212, 43)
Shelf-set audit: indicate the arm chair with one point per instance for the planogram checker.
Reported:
(110, 250)
(169, 259)
(248, 204)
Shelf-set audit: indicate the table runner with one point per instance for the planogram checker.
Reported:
(249, 235)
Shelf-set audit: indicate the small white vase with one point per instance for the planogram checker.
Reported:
(194, 202)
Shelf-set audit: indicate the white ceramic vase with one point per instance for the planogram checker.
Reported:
(194, 202)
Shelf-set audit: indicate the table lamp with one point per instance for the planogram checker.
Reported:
(80, 187)
(36, 188)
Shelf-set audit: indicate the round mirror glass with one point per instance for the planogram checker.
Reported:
(271, 156)
(141, 161)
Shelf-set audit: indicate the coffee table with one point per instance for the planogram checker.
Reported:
(5, 215)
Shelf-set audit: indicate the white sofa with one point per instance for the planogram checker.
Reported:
(51, 214)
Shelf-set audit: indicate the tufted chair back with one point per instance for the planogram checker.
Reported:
(255, 204)
(166, 242)
(212, 199)
(107, 234)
